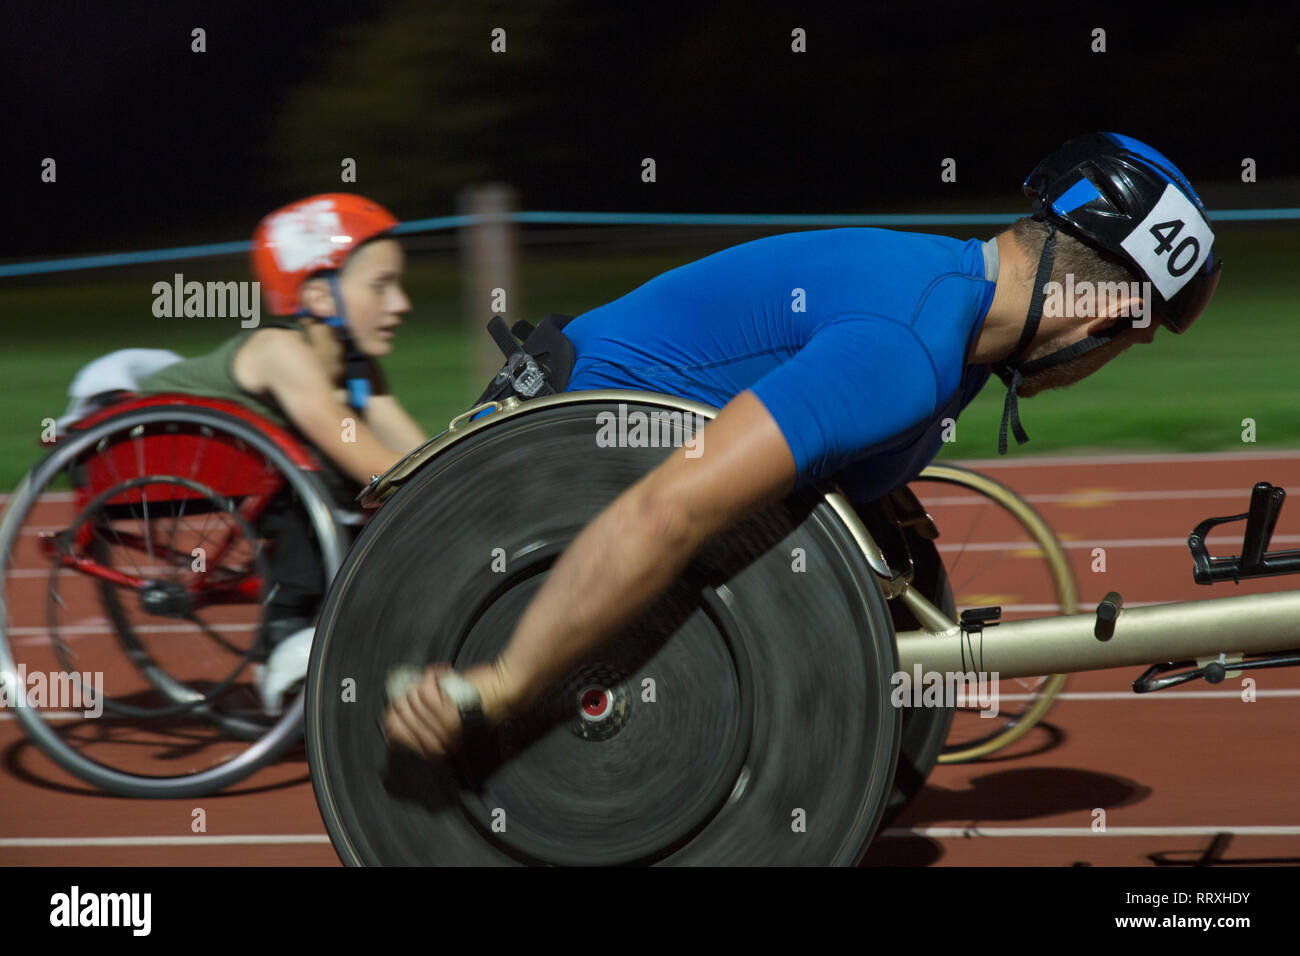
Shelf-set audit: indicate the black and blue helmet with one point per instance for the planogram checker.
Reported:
(1128, 201)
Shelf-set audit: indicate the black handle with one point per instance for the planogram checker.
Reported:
(1107, 614)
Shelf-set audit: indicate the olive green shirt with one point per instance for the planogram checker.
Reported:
(211, 376)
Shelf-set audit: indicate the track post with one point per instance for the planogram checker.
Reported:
(488, 249)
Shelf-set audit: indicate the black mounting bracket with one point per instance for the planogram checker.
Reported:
(1254, 561)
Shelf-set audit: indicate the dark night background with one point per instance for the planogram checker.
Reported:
(158, 145)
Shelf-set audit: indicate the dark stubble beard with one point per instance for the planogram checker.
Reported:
(1067, 373)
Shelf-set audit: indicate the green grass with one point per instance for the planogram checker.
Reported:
(1186, 393)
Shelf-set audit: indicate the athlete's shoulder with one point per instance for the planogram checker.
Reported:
(273, 355)
(276, 343)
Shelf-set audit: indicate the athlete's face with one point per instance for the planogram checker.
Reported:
(371, 283)
(1067, 373)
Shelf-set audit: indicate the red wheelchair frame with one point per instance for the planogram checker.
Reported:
(240, 476)
(136, 464)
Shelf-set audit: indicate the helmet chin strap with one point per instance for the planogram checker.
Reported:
(355, 364)
(1009, 369)
(1012, 370)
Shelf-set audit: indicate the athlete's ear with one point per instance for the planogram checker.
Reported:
(317, 298)
(1121, 307)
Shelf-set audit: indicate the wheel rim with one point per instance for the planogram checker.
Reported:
(924, 729)
(383, 808)
(1013, 726)
(274, 738)
(182, 697)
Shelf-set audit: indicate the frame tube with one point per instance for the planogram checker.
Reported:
(1247, 624)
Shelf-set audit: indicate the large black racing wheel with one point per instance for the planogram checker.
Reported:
(924, 729)
(744, 719)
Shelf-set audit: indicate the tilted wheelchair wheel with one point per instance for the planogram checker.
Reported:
(998, 551)
(743, 719)
(135, 576)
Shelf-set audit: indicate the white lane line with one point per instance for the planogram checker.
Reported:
(75, 629)
(51, 715)
(978, 831)
(245, 839)
(1085, 605)
(56, 715)
(1098, 497)
(1048, 461)
(1160, 695)
(1067, 695)
(937, 832)
(1023, 544)
(68, 574)
(1027, 544)
(51, 496)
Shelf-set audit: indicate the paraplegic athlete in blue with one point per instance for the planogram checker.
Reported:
(840, 354)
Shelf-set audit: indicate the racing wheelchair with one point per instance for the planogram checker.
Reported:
(138, 564)
(744, 719)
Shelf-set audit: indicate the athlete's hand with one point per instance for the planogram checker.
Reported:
(427, 721)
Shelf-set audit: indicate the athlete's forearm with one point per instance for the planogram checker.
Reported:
(394, 427)
(614, 569)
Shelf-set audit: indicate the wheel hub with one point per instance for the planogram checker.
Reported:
(166, 599)
(602, 706)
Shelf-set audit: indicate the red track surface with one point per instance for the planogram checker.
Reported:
(1186, 775)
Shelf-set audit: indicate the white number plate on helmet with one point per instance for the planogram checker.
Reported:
(1171, 243)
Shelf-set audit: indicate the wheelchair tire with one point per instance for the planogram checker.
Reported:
(767, 737)
(67, 459)
(924, 728)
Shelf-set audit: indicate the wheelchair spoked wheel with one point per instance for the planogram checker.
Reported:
(133, 566)
(997, 550)
(174, 545)
(743, 719)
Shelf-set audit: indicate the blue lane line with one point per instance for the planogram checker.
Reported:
(596, 218)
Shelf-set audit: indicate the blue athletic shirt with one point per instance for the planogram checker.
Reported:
(855, 340)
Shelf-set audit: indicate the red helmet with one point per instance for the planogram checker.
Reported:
(308, 236)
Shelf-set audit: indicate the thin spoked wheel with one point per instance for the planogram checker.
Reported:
(998, 551)
(134, 581)
(179, 590)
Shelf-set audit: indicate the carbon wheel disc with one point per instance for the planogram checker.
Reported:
(743, 719)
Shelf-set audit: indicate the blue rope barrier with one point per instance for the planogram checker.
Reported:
(597, 218)
(123, 258)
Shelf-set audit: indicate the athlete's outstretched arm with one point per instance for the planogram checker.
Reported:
(621, 562)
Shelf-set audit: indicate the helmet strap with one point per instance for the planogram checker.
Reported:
(1010, 369)
(356, 365)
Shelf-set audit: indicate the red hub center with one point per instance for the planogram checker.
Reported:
(595, 702)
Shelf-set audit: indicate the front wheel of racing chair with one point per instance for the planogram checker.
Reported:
(139, 576)
(997, 551)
